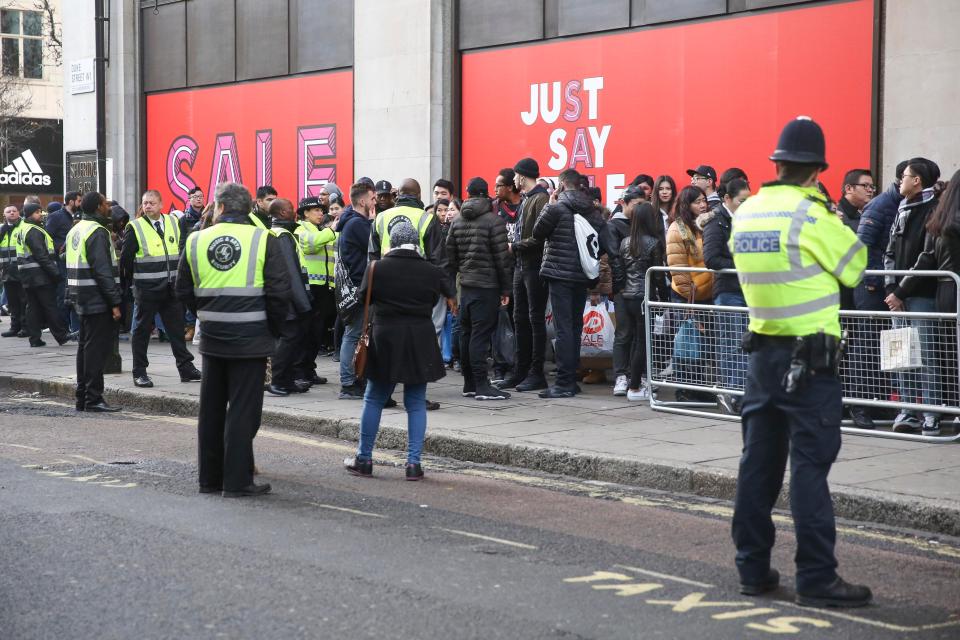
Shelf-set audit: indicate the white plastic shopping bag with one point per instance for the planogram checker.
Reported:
(596, 340)
(900, 349)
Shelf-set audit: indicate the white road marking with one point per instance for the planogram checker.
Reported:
(874, 623)
(666, 576)
(19, 446)
(509, 543)
(345, 510)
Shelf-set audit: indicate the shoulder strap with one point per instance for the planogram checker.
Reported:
(366, 302)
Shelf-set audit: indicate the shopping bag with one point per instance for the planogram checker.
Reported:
(687, 344)
(596, 339)
(900, 349)
(504, 339)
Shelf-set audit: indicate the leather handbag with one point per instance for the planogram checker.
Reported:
(360, 353)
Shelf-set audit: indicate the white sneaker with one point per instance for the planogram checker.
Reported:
(620, 387)
(640, 395)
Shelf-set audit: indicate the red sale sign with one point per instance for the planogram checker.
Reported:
(667, 99)
(295, 134)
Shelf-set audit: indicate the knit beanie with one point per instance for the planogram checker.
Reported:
(403, 235)
(527, 167)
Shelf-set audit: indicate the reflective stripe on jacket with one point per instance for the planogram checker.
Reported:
(318, 247)
(790, 252)
(155, 264)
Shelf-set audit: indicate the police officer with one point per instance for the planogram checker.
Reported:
(232, 275)
(16, 301)
(790, 254)
(39, 275)
(318, 245)
(93, 287)
(410, 208)
(285, 377)
(149, 256)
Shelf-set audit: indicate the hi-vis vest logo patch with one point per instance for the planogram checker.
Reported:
(224, 253)
(25, 170)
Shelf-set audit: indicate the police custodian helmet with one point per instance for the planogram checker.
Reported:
(801, 141)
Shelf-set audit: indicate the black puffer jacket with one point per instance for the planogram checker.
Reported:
(716, 225)
(561, 259)
(477, 248)
(635, 269)
(617, 229)
(907, 240)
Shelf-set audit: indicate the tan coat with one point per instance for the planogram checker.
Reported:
(684, 249)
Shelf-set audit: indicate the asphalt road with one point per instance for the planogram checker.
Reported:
(103, 535)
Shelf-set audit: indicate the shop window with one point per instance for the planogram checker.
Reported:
(21, 51)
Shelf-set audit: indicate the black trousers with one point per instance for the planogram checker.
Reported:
(567, 300)
(16, 303)
(478, 321)
(42, 312)
(95, 344)
(231, 403)
(289, 351)
(638, 347)
(529, 323)
(805, 424)
(318, 329)
(171, 312)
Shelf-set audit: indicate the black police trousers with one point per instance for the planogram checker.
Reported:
(231, 403)
(171, 313)
(17, 304)
(806, 424)
(42, 312)
(94, 346)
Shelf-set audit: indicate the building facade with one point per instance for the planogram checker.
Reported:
(31, 101)
(296, 93)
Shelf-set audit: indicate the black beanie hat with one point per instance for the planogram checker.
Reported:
(30, 209)
(528, 168)
(477, 188)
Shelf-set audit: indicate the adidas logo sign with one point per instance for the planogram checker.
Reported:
(25, 170)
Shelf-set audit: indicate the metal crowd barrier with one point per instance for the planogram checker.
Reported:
(721, 365)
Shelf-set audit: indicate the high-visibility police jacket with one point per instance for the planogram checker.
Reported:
(8, 252)
(280, 233)
(155, 264)
(257, 222)
(790, 252)
(35, 270)
(91, 290)
(226, 265)
(419, 218)
(318, 247)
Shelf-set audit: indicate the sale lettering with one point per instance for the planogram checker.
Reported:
(315, 147)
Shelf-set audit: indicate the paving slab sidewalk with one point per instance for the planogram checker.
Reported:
(593, 435)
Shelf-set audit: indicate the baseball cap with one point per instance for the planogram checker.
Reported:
(383, 186)
(703, 170)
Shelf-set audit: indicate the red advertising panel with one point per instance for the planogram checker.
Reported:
(667, 99)
(295, 133)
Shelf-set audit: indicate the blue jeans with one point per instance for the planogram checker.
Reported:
(414, 401)
(733, 362)
(446, 338)
(351, 335)
(923, 384)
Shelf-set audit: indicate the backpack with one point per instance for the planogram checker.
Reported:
(588, 246)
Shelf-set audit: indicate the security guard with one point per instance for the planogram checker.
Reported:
(10, 276)
(790, 254)
(285, 375)
(93, 287)
(233, 277)
(149, 256)
(410, 208)
(318, 242)
(39, 275)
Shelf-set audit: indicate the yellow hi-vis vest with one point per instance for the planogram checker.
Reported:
(226, 264)
(257, 222)
(25, 259)
(156, 261)
(301, 259)
(419, 218)
(8, 251)
(319, 249)
(79, 274)
(790, 252)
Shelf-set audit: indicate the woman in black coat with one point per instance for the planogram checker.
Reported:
(403, 344)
